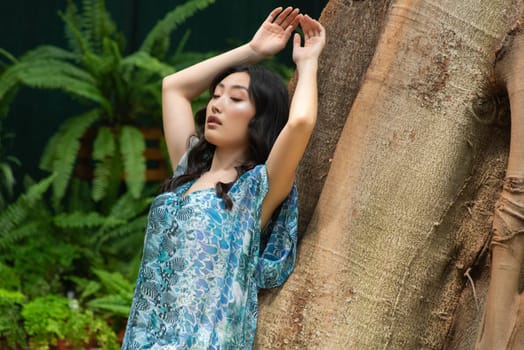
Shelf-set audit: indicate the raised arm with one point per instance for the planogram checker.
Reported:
(294, 137)
(179, 89)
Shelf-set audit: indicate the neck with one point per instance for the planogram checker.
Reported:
(227, 159)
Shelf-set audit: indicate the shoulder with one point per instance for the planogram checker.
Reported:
(253, 184)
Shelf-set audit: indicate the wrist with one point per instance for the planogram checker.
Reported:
(254, 54)
(310, 64)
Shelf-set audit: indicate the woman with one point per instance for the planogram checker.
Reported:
(226, 222)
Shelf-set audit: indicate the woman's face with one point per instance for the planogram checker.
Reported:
(229, 112)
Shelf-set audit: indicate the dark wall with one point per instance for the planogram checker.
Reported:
(35, 115)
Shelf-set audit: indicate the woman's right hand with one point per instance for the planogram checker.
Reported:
(274, 33)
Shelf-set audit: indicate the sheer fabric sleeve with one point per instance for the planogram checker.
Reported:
(278, 241)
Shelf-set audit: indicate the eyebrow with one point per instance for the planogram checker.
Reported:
(242, 87)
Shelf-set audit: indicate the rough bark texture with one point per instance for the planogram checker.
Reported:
(353, 29)
(382, 264)
(503, 324)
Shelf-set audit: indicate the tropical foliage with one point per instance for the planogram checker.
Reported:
(120, 92)
(46, 252)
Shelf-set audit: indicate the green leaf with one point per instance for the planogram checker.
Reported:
(104, 149)
(85, 220)
(67, 147)
(48, 52)
(46, 161)
(146, 62)
(60, 75)
(132, 147)
(8, 55)
(162, 30)
(77, 41)
(16, 234)
(113, 303)
(15, 213)
(11, 296)
(9, 81)
(115, 283)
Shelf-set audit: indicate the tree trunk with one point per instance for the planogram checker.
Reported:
(347, 54)
(404, 216)
(503, 324)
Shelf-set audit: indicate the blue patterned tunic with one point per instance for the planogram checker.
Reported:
(202, 266)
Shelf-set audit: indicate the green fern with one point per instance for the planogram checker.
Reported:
(128, 207)
(112, 303)
(104, 150)
(65, 155)
(119, 293)
(16, 212)
(77, 41)
(47, 158)
(147, 63)
(121, 236)
(132, 147)
(115, 283)
(8, 55)
(81, 220)
(155, 41)
(48, 52)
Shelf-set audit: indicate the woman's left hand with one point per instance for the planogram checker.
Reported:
(274, 33)
(314, 40)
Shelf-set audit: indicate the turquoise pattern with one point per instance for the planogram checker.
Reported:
(202, 266)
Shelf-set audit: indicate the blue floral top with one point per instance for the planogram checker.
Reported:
(202, 266)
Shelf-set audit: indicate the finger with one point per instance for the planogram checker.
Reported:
(273, 14)
(290, 18)
(296, 40)
(293, 25)
(282, 16)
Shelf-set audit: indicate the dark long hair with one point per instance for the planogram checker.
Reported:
(270, 97)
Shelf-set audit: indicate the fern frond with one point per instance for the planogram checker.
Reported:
(71, 13)
(182, 43)
(122, 234)
(103, 153)
(46, 160)
(77, 39)
(81, 220)
(132, 147)
(115, 283)
(128, 207)
(67, 149)
(7, 97)
(112, 303)
(89, 288)
(9, 81)
(97, 23)
(54, 74)
(48, 52)
(146, 62)
(8, 239)
(8, 55)
(7, 179)
(16, 212)
(170, 22)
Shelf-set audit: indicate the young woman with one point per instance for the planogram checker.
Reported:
(226, 222)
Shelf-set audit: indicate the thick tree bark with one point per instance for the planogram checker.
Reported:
(354, 28)
(503, 324)
(382, 263)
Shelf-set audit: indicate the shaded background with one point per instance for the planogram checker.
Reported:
(35, 115)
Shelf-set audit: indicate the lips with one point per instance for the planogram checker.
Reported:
(213, 120)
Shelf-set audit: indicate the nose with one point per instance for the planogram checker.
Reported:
(216, 105)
